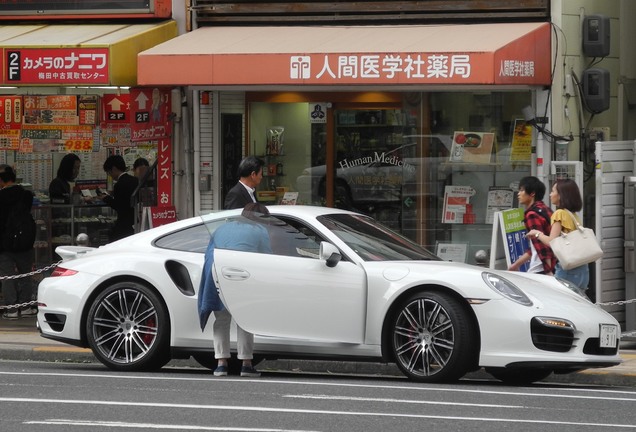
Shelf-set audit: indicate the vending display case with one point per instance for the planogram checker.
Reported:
(60, 225)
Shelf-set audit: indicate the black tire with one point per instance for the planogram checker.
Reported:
(128, 328)
(523, 376)
(431, 338)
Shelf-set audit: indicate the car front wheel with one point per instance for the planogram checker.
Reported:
(128, 328)
(432, 340)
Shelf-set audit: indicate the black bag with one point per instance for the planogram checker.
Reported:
(19, 230)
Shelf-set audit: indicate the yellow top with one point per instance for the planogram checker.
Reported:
(567, 223)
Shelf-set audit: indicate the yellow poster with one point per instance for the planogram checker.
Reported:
(521, 144)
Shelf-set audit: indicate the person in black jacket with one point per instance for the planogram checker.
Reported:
(120, 201)
(250, 172)
(60, 188)
(16, 292)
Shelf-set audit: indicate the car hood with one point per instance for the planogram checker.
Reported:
(467, 280)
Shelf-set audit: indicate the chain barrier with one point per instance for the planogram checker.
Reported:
(20, 276)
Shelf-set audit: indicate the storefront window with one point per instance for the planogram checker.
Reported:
(433, 166)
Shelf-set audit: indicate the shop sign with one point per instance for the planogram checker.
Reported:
(150, 119)
(116, 108)
(164, 173)
(61, 138)
(60, 66)
(10, 120)
(318, 113)
(162, 215)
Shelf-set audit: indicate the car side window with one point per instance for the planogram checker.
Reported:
(192, 239)
(292, 238)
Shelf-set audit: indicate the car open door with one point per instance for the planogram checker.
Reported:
(293, 297)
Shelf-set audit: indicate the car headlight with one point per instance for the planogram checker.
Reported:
(506, 288)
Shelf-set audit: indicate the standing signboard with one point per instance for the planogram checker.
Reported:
(508, 241)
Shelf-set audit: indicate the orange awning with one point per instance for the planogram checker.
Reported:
(504, 54)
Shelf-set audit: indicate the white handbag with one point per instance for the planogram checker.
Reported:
(576, 248)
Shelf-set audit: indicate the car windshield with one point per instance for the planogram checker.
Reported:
(372, 241)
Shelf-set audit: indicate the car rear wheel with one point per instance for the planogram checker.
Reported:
(128, 328)
(432, 340)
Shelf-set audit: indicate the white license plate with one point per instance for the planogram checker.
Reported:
(609, 336)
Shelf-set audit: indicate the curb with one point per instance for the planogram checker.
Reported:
(62, 354)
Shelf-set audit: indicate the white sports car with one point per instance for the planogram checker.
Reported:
(338, 285)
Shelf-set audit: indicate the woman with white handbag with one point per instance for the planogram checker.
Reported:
(566, 197)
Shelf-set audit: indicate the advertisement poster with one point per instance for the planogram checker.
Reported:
(10, 120)
(150, 114)
(521, 143)
(472, 147)
(456, 202)
(455, 252)
(499, 199)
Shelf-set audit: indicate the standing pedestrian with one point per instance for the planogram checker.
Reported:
(60, 191)
(245, 234)
(120, 201)
(250, 172)
(17, 231)
(535, 217)
(566, 197)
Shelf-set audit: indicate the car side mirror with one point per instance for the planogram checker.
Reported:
(330, 254)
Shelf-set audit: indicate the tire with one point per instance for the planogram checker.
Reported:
(521, 376)
(431, 338)
(128, 328)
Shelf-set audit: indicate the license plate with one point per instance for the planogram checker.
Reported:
(609, 336)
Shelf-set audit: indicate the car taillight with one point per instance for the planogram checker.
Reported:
(61, 271)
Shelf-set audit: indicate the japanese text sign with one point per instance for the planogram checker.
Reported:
(56, 66)
(150, 119)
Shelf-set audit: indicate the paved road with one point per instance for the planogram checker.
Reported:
(52, 397)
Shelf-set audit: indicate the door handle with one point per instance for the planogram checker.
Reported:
(233, 273)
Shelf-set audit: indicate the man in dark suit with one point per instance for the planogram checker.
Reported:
(250, 172)
(125, 185)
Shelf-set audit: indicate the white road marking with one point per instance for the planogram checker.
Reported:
(307, 411)
(404, 401)
(63, 422)
(414, 387)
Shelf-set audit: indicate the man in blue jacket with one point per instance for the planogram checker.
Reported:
(249, 234)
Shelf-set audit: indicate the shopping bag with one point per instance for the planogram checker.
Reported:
(577, 247)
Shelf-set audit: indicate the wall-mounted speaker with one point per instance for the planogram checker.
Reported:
(596, 90)
(596, 36)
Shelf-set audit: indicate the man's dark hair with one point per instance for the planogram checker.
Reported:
(533, 185)
(140, 162)
(7, 174)
(249, 165)
(65, 170)
(255, 211)
(115, 161)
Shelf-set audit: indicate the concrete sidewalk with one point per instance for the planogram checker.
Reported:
(20, 340)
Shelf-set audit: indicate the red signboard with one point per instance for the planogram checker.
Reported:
(116, 108)
(164, 173)
(162, 215)
(47, 66)
(150, 119)
(11, 111)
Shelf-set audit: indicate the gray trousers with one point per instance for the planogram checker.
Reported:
(221, 332)
(17, 291)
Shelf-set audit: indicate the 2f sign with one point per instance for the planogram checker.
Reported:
(13, 65)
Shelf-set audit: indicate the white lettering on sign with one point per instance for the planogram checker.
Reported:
(72, 61)
(388, 66)
(377, 158)
(516, 68)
